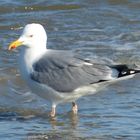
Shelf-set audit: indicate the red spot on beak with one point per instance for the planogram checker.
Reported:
(13, 47)
(15, 44)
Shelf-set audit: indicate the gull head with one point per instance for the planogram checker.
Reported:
(33, 36)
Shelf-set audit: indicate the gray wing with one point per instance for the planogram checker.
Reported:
(64, 71)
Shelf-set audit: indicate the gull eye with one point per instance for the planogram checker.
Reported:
(30, 35)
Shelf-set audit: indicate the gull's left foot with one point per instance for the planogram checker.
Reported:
(52, 113)
(74, 108)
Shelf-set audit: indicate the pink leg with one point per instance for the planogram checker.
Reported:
(74, 108)
(52, 114)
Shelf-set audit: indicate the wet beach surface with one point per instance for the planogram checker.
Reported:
(109, 29)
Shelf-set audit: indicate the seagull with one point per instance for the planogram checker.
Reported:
(61, 76)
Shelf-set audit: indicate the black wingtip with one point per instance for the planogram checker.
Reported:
(128, 72)
(124, 70)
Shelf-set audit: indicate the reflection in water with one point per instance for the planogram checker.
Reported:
(74, 119)
(72, 122)
(56, 123)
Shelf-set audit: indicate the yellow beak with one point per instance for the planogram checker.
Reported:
(15, 44)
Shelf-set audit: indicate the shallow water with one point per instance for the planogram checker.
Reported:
(107, 29)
